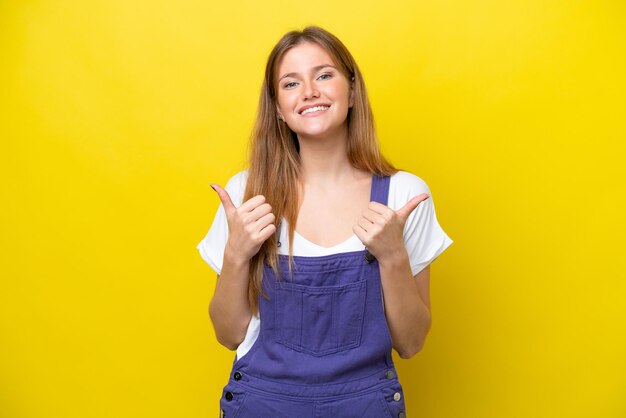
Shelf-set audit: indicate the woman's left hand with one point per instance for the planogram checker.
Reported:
(381, 228)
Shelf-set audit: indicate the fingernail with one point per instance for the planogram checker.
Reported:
(212, 187)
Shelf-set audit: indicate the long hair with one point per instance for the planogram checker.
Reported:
(274, 165)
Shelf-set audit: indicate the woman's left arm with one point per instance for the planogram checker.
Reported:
(406, 298)
(407, 303)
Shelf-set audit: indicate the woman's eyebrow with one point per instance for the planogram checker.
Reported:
(316, 68)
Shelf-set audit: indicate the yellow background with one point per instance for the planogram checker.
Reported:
(116, 115)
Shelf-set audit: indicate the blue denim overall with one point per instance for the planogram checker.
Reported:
(324, 348)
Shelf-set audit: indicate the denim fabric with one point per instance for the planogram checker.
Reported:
(324, 348)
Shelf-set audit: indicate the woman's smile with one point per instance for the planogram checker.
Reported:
(314, 111)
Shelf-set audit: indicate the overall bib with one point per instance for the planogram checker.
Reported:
(324, 348)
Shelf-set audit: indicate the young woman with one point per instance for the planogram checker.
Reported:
(322, 248)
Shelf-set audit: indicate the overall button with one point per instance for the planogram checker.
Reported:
(390, 374)
(401, 415)
(369, 257)
(229, 396)
(237, 376)
(397, 396)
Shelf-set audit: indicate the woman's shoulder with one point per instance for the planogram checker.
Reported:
(405, 183)
(236, 186)
(238, 178)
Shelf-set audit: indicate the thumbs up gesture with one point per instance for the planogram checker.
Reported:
(381, 228)
(249, 225)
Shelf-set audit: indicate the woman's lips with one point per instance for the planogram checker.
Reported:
(314, 111)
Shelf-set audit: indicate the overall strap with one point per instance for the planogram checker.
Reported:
(380, 189)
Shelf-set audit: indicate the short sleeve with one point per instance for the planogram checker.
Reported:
(212, 246)
(424, 238)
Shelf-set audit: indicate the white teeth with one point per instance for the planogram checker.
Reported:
(313, 109)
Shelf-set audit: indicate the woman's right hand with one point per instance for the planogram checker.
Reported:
(249, 225)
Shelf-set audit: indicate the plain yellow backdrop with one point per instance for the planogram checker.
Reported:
(116, 115)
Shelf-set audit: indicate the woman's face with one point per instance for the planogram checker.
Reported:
(313, 96)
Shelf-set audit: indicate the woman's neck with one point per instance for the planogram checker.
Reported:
(324, 163)
(325, 160)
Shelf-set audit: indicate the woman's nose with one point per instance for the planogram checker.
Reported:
(310, 90)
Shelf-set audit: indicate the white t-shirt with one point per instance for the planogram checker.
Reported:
(424, 239)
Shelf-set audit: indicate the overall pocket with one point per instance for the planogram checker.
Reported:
(231, 401)
(393, 399)
(320, 320)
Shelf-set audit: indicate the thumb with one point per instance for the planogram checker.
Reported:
(406, 210)
(224, 198)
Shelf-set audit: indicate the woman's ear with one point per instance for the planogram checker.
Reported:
(280, 115)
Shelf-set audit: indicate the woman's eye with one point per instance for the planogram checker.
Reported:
(325, 75)
(289, 85)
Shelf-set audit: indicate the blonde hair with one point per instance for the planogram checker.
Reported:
(274, 165)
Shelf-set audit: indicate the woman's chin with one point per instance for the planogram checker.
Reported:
(317, 133)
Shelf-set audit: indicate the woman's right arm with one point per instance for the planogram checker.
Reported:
(229, 308)
(248, 227)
